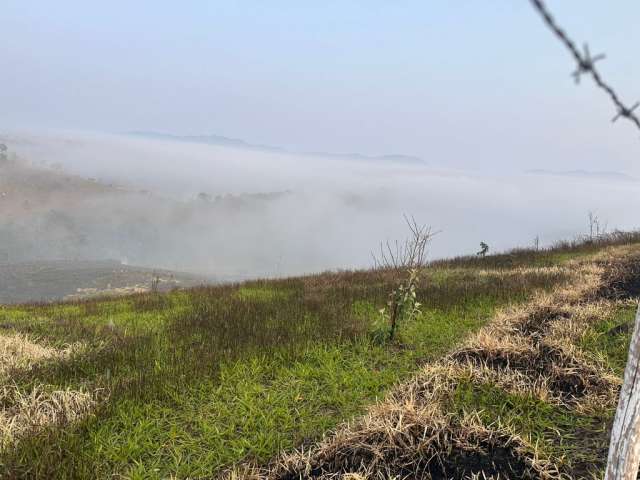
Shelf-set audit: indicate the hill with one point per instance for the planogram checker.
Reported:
(512, 369)
(49, 280)
(241, 144)
(602, 175)
(49, 215)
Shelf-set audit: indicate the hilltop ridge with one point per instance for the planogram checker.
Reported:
(242, 144)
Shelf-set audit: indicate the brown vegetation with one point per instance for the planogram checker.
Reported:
(21, 411)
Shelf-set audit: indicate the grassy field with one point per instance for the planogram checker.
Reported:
(192, 382)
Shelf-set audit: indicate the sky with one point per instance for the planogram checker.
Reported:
(468, 84)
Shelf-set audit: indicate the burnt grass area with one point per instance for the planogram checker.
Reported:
(491, 456)
(622, 280)
(535, 324)
(568, 378)
(490, 459)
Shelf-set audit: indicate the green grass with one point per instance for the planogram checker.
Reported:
(205, 378)
(610, 343)
(262, 293)
(254, 409)
(558, 431)
(527, 257)
(571, 438)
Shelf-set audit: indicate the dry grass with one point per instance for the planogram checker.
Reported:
(530, 349)
(411, 435)
(18, 351)
(30, 411)
(22, 412)
(414, 439)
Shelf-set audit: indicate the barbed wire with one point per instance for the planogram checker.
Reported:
(586, 65)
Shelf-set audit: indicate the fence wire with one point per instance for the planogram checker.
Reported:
(586, 65)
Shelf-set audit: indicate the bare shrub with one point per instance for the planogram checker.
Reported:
(410, 254)
(405, 260)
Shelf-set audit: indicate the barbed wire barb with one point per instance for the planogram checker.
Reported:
(625, 113)
(586, 65)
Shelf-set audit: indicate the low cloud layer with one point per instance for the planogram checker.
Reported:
(241, 213)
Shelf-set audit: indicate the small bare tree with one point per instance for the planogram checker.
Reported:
(406, 260)
(594, 225)
(410, 254)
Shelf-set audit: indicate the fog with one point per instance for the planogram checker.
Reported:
(268, 214)
(482, 94)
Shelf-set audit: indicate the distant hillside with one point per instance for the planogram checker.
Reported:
(48, 214)
(601, 175)
(75, 279)
(237, 143)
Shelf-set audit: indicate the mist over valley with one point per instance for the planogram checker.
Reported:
(231, 212)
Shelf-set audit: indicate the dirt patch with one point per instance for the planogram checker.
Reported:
(621, 280)
(416, 448)
(491, 460)
(622, 329)
(538, 320)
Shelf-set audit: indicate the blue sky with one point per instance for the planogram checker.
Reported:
(463, 84)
